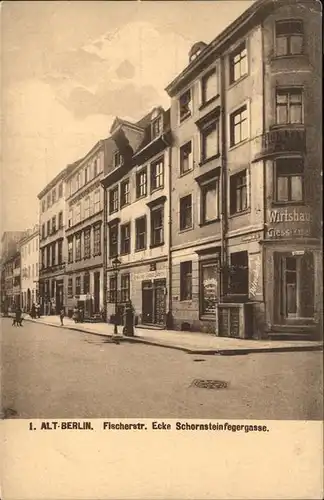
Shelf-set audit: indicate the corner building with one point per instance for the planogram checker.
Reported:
(138, 218)
(246, 159)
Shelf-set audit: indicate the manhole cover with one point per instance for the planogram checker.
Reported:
(9, 413)
(209, 384)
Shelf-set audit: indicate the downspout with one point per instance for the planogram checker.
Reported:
(169, 319)
(223, 212)
(105, 249)
(264, 173)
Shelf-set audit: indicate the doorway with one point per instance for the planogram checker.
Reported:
(96, 292)
(59, 296)
(153, 302)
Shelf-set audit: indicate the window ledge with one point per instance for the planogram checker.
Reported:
(280, 126)
(207, 160)
(157, 245)
(231, 148)
(288, 56)
(157, 189)
(124, 253)
(232, 84)
(140, 249)
(125, 204)
(183, 118)
(186, 229)
(209, 222)
(288, 203)
(206, 103)
(141, 196)
(182, 174)
(237, 214)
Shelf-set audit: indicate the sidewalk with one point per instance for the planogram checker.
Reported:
(190, 342)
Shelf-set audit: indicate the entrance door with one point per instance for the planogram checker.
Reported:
(147, 302)
(159, 301)
(153, 302)
(96, 292)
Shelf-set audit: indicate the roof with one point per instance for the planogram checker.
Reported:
(60, 176)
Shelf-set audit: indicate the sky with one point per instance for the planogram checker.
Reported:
(68, 68)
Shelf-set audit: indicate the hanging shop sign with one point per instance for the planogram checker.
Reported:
(289, 223)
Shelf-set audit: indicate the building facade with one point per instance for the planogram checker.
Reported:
(53, 251)
(138, 218)
(10, 270)
(246, 162)
(84, 231)
(29, 254)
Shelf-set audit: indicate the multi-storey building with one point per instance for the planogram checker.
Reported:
(51, 244)
(246, 162)
(10, 269)
(137, 214)
(84, 230)
(29, 254)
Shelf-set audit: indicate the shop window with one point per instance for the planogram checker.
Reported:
(113, 240)
(78, 247)
(210, 201)
(238, 63)
(112, 288)
(125, 288)
(185, 212)
(78, 285)
(208, 286)
(125, 240)
(96, 240)
(140, 230)
(185, 105)
(157, 174)
(124, 193)
(186, 280)
(238, 193)
(289, 180)
(289, 106)
(238, 126)
(186, 162)
(141, 183)
(113, 200)
(157, 232)
(209, 86)
(87, 244)
(210, 141)
(239, 273)
(70, 250)
(289, 37)
(86, 283)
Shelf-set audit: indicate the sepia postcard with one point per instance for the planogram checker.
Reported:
(161, 254)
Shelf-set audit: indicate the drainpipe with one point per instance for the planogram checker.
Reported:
(105, 251)
(169, 321)
(223, 213)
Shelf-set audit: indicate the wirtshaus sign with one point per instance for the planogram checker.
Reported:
(289, 222)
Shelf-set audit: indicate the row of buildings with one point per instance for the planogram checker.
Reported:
(208, 212)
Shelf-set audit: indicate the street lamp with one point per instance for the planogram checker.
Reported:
(115, 264)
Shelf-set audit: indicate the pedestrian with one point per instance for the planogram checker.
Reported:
(76, 315)
(33, 311)
(62, 316)
(17, 321)
(37, 310)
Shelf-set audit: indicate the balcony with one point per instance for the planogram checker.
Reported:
(280, 140)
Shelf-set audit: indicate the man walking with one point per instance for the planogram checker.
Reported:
(62, 316)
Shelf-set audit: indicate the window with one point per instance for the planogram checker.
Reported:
(156, 127)
(33, 271)
(208, 287)
(239, 273)
(289, 179)
(43, 206)
(124, 193)
(78, 285)
(78, 247)
(78, 182)
(60, 190)
(53, 254)
(53, 196)
(209, 86)
(60, 251)
(70, 250)
(140, 230)
(185, 212)
(95, 168)
(96, 201)
(113, 240)
(238, 63)
(43, 263)
(97, 240)
(186, 280)
(117, 159)
(125, 238)
(157, 174)
(238, 126)
(54, 224)
(289, 38)
(48, 255)
(113, 200)
(141, 183)
(289, 106)
(43, 232)
(87, 244)
(238, 192)
(36, 265)
(77, 214)
(86, 207)
(112, 288)
(36, 245)
(124, 287)
(70, 287)
(86, 283)
(48, 227)
(157, 226)
(48, 200)
(185, 105)
(86, 174)
(210, 201)
(186, 163)
(60, 220)
(28, 271)
(210, 141)
(70, 218)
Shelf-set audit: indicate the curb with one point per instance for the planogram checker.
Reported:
(201, 352)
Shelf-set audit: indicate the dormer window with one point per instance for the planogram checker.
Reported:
(117, 159)
(156, 127)
(185, 105)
